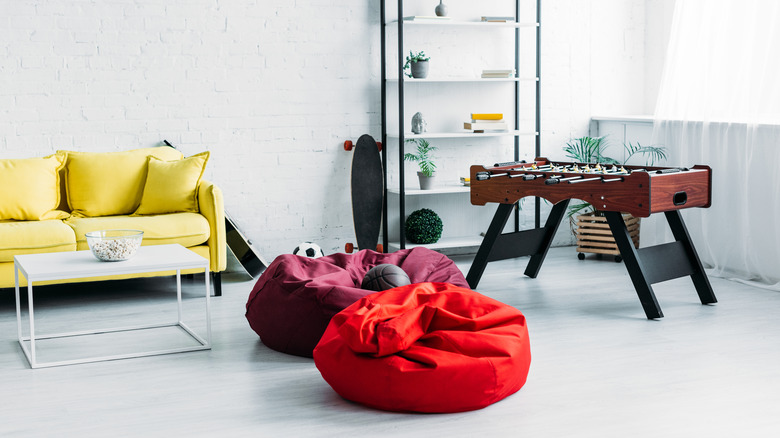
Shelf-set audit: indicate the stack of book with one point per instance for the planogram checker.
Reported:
(498, 19)
(509, 73)
(481, 122)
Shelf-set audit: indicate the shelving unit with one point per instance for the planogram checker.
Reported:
(452, 200)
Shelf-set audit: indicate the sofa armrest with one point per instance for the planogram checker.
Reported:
(211, 206)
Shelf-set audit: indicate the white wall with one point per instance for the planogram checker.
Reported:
(272, 88)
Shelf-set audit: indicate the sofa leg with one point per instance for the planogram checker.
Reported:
(216, 280)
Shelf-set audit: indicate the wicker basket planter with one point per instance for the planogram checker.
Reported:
(594, 235)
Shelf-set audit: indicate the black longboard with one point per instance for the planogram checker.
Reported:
(242, 248)
(367, 193)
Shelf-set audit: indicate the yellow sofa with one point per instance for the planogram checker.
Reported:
(48, 204)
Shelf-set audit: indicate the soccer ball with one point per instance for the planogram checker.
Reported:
(308, 249)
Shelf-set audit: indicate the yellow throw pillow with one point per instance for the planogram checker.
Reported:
(30, 189)
(172, 186)
(109, 183)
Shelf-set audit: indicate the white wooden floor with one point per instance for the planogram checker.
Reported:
(599, 369)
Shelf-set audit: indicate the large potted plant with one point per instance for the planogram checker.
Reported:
(416, 65)
(424, 158)
(587, 222)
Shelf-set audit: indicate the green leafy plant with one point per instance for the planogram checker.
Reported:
(591, 150)
(414, 57)
(423, 156)
(424, 226)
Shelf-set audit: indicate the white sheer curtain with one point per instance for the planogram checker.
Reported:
(719, 105)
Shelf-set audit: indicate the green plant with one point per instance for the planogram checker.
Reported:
(414, 57)
(591, 150)
(423, 156)
(423, 226)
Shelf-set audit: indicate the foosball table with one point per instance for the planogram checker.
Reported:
(611, 189)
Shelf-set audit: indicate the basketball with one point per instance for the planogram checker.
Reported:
(383, 277)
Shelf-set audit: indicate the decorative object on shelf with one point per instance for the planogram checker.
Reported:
(591, 150)
(498, 19)
(481, 122)
(424, 226)
(416, 65)
(441, 10)
(419, 125)
(508, 73)
(424, 158)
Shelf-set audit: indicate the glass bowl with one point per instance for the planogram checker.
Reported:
(114, 245)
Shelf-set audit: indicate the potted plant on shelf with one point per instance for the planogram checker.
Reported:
(416, 65)
(592, 231)
(424, 226)
(424, 158)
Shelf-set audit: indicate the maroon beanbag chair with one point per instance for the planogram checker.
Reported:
(295, 298)
(429, 347)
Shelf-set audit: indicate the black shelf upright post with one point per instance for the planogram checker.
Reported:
(538, 127)
(383, 117)
(401, 140)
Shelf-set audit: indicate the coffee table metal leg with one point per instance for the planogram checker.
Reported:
(33, 362)
(178, 292)
(208, 307)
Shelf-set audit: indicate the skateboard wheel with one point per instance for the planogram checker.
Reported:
(581, 256)
(379, 146)
(380, 248)
(348, 145)
(348, 248)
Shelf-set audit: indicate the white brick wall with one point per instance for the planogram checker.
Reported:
(272, 88)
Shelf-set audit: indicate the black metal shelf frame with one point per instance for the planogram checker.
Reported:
(401, 115)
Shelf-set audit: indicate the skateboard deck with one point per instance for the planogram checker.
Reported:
(242, 248)
(239, 245)
(367, 193)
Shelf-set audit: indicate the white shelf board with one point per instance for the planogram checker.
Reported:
(436, 190)
(464, 79)
(464, 133)
(450, 245)
(463, 23)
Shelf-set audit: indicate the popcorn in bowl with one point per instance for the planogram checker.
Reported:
(114, 245)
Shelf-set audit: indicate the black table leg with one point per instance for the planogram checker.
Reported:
(699, 277)
(634, 265)
(497, 246)
(494, 230)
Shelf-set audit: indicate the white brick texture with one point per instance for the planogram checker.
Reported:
(271, 87)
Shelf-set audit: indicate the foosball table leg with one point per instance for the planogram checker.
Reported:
(550, 227)
(634, 265)
(501, 246)
(483, 254)
(662, 262)
(699, 277)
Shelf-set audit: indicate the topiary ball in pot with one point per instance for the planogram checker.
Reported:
(423, 226)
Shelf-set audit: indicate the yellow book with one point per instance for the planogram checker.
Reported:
(486, 116)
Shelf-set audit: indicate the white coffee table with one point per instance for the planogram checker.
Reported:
(82, 264)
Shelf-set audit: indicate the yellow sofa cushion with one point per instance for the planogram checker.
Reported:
(186, 229)
(32, 237)
(172, 186)
(30, 188)
(109, 183)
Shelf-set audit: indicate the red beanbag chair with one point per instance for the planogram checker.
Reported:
(430, 347)
(295, 298)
